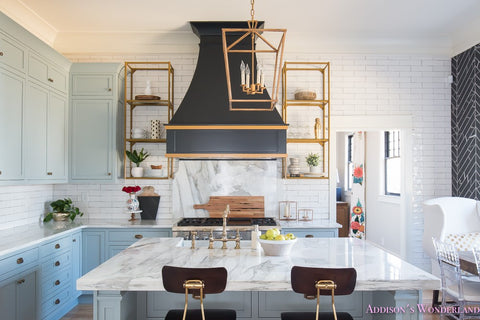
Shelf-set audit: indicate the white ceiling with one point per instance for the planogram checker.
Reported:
(441, 26)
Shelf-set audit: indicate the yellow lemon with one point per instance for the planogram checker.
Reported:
(280, 237)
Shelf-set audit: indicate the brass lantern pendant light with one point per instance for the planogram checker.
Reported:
(249, 90)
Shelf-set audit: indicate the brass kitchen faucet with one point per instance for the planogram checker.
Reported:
(224, 238)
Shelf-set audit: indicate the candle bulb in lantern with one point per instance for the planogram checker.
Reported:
(247, 76)
(259, 72)
(262, 79)
(242, 72)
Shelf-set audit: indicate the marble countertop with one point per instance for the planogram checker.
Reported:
(20, 237)
(139, 267)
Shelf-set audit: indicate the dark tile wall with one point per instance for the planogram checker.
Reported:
(466, 124)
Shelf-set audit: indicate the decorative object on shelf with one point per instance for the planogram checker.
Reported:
(305, 214)
(138, 133)
(137, 158)
(305, 94)
(148, 88)
(146, 97)
(149, 201)
(294, 167)
(132, 202)
(63, 209)
(287, 210)
(156, 171)
(313, 160)
(317, 128)
(156, 129)
(252, 76)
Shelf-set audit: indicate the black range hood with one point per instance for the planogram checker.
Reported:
(203, 127)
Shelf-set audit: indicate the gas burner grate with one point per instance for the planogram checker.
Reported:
(212, 222)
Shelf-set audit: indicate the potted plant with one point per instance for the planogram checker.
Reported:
(313, 160)
(63, 209)
(137, 158)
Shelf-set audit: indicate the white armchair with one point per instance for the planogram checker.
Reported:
(448, 216)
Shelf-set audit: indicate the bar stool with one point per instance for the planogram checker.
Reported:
(316, 282)
(198, 282)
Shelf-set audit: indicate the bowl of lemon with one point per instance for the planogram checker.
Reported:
(275, 244)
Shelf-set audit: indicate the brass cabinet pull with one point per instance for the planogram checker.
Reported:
(309, 236)
(57, 263)
(1, 54)
(21, 281)
(49, 173)
(19, 260)
(0, 172)
(138, 236)
(57, 301)
(57, 282)
(109, 173)
(109, 89)
(74, 240)
(57, 246)
(50, 80)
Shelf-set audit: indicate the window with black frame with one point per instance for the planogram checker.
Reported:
(349, 161)
(392, 163)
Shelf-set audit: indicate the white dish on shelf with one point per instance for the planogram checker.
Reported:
(156, 173)
(312, 174)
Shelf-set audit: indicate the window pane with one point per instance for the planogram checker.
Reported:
(392, 172)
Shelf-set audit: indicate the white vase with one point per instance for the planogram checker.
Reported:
(137, 172)
(315, 169)
(148, 88)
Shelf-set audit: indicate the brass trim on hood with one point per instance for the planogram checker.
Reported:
(223, 127)
(227, 155)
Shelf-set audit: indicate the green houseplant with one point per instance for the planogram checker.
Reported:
(63, 209)
(137, 158)
(313, 160)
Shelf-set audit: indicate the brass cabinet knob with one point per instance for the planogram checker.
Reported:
(57, 282)
(21, 281)
(50, 80)
(19, 260)
(74, 240)
(57, 301)
(138, 236)
(1, 54)
(109, 89)
(49, 173)
(57, 246)
(0, 172)
(57, 263)
(109, 173)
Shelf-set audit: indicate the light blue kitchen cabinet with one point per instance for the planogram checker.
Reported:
(120, 239)
(18, 300)
(45, 134)
(12, 54)
(12, 92)
(93, 249)
(312, 232)
(76, 262)
(95, 122)
(41, 70)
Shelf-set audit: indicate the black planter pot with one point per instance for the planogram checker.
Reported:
(149, 207)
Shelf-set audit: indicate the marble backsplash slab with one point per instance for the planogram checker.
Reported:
(196, 181)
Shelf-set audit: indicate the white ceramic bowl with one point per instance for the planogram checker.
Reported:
(277, 248)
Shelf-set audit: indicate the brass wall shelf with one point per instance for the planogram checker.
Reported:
(319, 71)
(145, 70)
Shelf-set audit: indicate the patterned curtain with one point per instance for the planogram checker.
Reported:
(357, 201)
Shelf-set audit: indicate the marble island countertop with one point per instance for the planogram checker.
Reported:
(138, 268)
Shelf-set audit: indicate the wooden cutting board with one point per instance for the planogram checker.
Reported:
(240, 206)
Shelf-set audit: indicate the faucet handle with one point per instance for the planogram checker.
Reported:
(227, 211)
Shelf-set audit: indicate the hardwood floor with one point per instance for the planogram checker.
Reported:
(85, 311)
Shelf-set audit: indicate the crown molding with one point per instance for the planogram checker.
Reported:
(30, 20)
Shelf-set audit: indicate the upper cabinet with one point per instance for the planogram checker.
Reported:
(95, 118)
(33, 108)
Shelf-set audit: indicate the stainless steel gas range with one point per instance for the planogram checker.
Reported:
(204, 226)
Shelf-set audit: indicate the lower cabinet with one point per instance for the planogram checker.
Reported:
(18, 300)
(313, 232)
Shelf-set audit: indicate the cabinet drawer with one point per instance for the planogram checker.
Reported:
(55, 303)
(92, 85)
(131, 236)
(42, 71)
(58, 282)
(57, 79)
(55, 264)
(18, 261)
(55, 246)
(11, 53)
